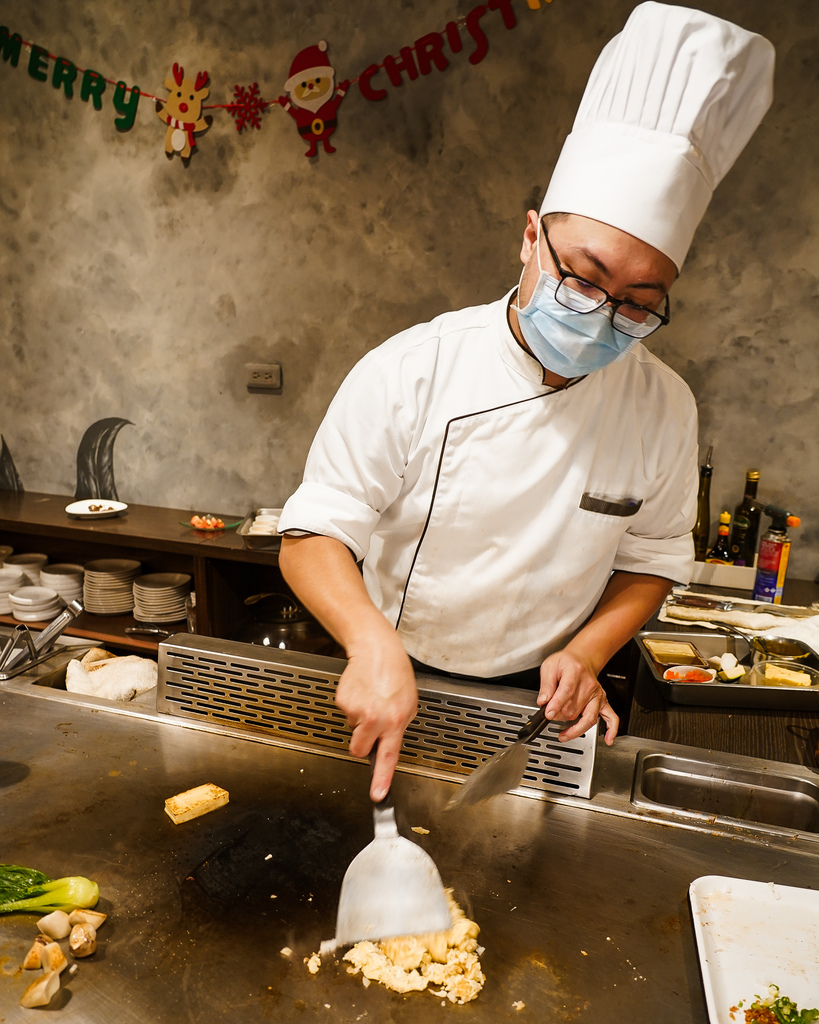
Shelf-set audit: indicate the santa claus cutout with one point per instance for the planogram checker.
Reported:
(311, 101)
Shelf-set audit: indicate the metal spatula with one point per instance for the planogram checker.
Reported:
(502, 771)
(391, 888)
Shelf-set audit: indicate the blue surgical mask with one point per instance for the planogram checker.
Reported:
(568, 343)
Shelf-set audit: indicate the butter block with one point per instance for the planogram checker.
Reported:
(195, 802)
(776, 675)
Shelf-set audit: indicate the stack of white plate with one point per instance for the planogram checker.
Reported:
(11, 579)
(108, 585)
(65, 578)
(35, 604)
(31, 564)
(160, 597)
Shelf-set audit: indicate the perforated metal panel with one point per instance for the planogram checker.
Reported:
(288, 697)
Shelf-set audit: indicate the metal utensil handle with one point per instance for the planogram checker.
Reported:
(693, 601)
(384, 823)
(12, 654)
(535, 726)
(56, 626)
(386, 802)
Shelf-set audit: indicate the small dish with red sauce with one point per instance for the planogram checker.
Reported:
(689, 674)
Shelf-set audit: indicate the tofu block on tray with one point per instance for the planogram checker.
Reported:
(195, 802)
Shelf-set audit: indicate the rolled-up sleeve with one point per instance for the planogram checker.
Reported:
(356, 464)
(658, 541)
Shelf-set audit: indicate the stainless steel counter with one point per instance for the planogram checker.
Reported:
(582, 904)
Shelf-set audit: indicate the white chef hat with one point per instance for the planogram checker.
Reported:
(669, 106)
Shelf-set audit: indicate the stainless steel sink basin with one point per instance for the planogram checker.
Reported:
(717, 791)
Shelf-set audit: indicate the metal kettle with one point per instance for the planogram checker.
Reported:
(280, 621)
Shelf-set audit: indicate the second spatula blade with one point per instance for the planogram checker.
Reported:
(503, 770)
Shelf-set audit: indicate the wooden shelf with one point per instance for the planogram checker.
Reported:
(223, 569)
(142, 527)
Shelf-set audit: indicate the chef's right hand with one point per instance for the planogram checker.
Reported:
(378, 694)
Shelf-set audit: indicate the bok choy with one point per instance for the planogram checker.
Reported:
(26, 889)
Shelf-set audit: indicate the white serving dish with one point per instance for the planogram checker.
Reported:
(89, 508)
(34, 597)
(11, 578)
(36, 614)
(751, 935)
(30, 564)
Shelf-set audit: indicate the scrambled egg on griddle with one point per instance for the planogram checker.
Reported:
(447, 959)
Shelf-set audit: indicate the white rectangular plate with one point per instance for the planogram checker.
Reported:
(751, 935)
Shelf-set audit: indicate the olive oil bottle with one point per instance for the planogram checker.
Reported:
(745, 526)
(702, 527)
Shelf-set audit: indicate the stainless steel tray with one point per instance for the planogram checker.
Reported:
(726, 695)
(259, 542)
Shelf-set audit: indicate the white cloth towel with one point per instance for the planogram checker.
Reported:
(804, 628)
(115, 679)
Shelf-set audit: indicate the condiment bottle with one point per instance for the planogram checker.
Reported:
(702, 527)
(721, 551)
(745, 526)
(774, 551)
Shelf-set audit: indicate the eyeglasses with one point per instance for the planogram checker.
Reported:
(582, 296)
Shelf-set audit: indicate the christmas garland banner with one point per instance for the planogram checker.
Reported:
(311, 96)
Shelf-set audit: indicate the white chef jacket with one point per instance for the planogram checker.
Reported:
(490, 509)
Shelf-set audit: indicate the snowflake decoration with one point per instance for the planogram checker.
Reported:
(247, 107)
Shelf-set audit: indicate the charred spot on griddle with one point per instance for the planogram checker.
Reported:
(298, 859)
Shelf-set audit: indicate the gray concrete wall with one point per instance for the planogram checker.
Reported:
(135, 287)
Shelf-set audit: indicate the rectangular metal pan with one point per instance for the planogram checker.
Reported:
(259, 542)
(719, 694)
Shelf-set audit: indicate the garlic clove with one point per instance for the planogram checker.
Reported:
(56, 924)
(33, 959)
(53, 958)
(83, 940)
(92, 917)
(41, 991)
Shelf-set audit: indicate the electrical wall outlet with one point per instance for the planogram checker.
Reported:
(263, 376)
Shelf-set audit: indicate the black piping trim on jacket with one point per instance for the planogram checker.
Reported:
(457, 419)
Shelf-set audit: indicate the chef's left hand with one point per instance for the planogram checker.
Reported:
(570, 690)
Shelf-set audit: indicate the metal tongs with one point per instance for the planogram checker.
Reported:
(17, 655)
(727, 605)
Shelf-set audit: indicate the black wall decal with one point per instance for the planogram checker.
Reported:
(95, 460)
(9, 477)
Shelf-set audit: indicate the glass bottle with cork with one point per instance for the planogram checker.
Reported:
(702, 526)
(721, 551)
(745, 527)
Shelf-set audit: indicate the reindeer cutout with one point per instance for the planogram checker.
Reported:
(182, 112)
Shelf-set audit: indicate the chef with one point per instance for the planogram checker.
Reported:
(518, 479)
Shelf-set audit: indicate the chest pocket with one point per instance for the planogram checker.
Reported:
(621, 506)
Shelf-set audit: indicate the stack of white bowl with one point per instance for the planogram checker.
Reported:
(108, 585)
(31, 564)
(11, 579)
(160, 597)
(35, 604)
(65, 578)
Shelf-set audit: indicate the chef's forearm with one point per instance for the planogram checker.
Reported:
(322, 573)
(376, 691)
(627, 603)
